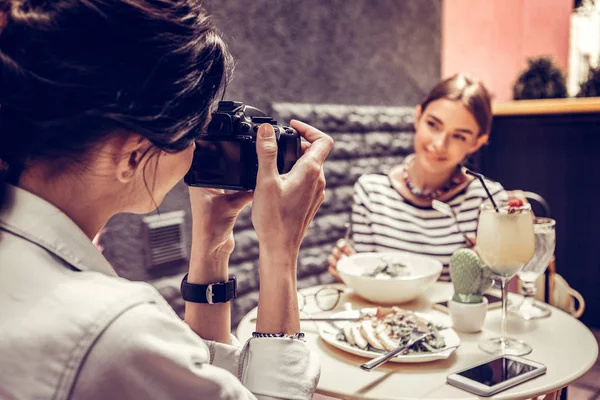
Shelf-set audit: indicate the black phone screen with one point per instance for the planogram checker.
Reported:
(497, 371)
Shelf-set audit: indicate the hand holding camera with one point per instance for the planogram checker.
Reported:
(245, 150)
(225, 156)
(284, 205)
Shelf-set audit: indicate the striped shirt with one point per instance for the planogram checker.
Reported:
(383, 220)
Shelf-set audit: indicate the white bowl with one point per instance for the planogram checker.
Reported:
(423, 272)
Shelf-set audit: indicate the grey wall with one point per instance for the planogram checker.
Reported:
(341, 52)
(376, 52)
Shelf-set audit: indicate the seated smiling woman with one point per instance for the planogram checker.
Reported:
(101, 103)
(393, 211)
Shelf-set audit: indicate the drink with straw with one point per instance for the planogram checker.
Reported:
(506, 243)
(505, 239)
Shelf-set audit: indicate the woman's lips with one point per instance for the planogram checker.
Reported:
(435, 157)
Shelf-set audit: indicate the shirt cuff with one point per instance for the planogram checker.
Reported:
(226, 356)
(279, 367)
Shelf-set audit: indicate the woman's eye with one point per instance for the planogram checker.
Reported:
(432, 124)
(460, 137)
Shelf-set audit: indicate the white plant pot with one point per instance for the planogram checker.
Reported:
(468, 317)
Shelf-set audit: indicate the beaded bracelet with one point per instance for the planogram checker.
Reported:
(297, 336)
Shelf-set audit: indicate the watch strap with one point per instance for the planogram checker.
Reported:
(220, 292)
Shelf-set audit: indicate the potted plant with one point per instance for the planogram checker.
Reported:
(471, 279)
(542, 79)
(591, 86)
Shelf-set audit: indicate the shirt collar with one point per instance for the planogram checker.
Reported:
(36, 220)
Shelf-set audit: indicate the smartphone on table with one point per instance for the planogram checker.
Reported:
(496, 375)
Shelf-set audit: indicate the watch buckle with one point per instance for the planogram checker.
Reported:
(209, 294)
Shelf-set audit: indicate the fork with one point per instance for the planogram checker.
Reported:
(415, 337)
(449, 212)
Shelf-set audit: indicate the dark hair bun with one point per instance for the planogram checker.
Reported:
(72, 72)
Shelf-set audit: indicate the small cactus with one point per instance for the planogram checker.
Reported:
(470, 276)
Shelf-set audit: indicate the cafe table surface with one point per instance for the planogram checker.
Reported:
(562, 343)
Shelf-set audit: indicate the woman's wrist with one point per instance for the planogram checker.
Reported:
(211, 237)
(278, 304)
(278, 260)
(208, 264)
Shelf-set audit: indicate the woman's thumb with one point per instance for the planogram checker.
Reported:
(266, 150)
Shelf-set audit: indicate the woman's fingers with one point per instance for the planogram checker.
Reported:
(345, 247)
(337, 253)
(332, 261)
(333, 271)
(304, 146)
(320, 143)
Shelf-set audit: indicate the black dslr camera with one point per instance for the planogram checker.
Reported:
(225, 157)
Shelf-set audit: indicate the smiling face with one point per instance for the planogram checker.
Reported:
(446, 133)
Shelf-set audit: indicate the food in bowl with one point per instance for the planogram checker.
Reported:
(362, 273)
(388, 270)
(390, 328)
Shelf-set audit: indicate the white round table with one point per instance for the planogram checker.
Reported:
(562, 343)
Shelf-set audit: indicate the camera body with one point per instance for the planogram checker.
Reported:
(225, 156)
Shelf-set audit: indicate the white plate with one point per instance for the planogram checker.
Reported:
(450, 336)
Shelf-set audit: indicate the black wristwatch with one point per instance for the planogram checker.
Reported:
(220, 292)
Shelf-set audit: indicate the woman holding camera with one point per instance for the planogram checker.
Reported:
(393, 211)
(100, 105)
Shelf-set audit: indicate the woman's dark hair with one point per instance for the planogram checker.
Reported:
(74, 71)
(470, 92)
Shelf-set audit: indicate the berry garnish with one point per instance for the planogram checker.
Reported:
(514, 203)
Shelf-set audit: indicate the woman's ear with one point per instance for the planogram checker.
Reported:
(481, 140)
(131, 156)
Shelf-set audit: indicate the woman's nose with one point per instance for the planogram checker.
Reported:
(439, 141)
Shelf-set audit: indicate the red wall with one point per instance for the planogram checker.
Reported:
(492, 39)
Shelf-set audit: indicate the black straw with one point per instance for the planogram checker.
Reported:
(480, 177)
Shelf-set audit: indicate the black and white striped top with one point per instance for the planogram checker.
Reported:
(382, 220)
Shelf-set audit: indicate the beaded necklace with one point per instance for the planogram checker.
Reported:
(455, 180)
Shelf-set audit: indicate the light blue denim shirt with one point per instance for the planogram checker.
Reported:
(70, 328)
